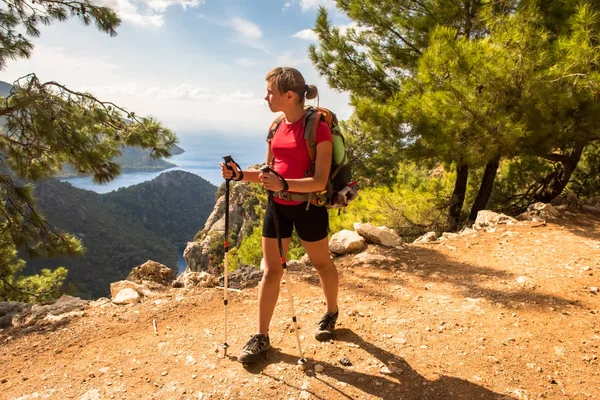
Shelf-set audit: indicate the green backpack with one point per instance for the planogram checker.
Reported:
(340, 189)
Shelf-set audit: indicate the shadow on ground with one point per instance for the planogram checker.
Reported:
(403, 383)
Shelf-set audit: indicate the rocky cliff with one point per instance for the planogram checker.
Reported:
(242, 219)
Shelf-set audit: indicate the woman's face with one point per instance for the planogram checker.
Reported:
(277, 101)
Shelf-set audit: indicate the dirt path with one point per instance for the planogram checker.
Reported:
(505, 314)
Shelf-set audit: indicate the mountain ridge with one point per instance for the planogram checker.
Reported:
(125, 228)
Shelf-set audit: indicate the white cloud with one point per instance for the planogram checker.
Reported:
(306, 34)
(181, 92)
(146, 12)
(245, 29)
(240, 97)
(245, 32)
(56, 63)
(162, 5)
(245, 62)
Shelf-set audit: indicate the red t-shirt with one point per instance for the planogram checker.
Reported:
(290, 152)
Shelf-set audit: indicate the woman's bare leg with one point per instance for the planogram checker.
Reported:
(269, 285)
(318, 252)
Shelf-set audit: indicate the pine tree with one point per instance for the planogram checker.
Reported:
(467, 84)
(47, 125)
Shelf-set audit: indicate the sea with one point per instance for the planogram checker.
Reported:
(202, 154)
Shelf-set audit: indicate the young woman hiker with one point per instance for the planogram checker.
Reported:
(287, 155)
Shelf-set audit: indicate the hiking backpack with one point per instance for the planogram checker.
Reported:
(340, 190)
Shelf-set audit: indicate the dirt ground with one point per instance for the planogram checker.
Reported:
(509, 314)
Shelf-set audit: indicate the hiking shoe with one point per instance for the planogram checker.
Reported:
(326, 326)
(257, 345)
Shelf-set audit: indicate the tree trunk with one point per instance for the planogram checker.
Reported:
(555, 183)
(458, 196)
(485, 190)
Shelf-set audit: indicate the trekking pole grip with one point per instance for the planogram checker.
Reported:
(267, 169)
(229, 159)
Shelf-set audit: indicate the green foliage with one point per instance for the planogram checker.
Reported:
(413, 204)
(40, 288)
(434, 84)
(516, 183)
(216, 250)
(250, 250)
(46, 126)
(586, 179)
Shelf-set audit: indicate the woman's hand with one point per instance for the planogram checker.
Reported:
(229, 172)
(270, 182)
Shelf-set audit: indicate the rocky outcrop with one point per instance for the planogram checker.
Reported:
(126, 296)
(191, 279)
(487, 218)
(241, 218)
(152, 271)
(8, 309)
(63, 309)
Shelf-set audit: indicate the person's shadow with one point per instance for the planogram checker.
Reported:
(401, 383)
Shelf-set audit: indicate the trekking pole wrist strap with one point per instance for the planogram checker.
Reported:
(285, 184)
(239, 176)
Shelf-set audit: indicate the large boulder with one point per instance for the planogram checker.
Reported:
(116, 287)
(245, 276)
(346, 241)
(192, 279)
(127, 296)
(8, 309)
(426, 238)
(64, 305)
(378, 235)
(542, 211)
(489, 219)
(152, 271)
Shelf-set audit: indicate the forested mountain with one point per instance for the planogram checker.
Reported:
(125, 228)
(114, 242)
(174, 205)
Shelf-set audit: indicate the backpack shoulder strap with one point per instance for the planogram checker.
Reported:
(274, 126)
(311, 124)
(272, 129)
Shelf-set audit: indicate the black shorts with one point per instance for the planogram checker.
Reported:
(311, 225)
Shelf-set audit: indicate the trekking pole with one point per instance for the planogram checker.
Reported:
(288, 281)
(227, 159)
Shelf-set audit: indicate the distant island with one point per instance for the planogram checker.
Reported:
(132, 160)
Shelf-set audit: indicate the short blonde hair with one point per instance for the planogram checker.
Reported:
(290, 79)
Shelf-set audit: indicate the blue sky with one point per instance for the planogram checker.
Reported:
(197, 65)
